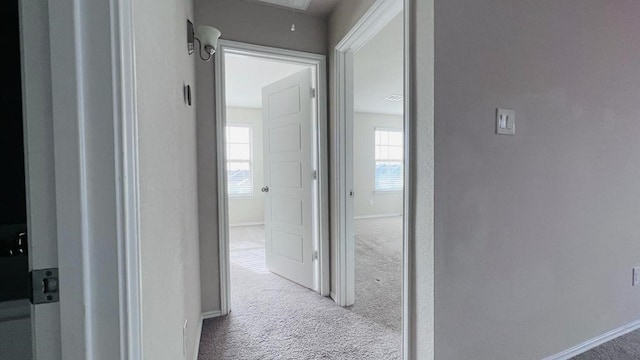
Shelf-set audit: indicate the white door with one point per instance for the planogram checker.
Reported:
(288, 174)
(27, 331)
(39, 158)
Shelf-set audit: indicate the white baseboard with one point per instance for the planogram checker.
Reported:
(246, 224)
(205, 315)
(198, 336)
(595, 342)
(375, 216)
(211, 314)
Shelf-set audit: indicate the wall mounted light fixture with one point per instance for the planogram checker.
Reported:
(208, 39)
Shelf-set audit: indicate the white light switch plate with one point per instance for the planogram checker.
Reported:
(505, 122)
(636, 276)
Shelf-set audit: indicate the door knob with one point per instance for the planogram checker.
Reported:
(265, 189)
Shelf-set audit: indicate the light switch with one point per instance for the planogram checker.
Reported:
(505, 122)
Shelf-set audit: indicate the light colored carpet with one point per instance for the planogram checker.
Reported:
(626, 347)
(273, 318)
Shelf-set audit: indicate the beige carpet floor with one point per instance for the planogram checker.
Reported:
(273, 318)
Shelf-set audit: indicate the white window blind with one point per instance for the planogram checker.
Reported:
(389, 151)
(239, 160)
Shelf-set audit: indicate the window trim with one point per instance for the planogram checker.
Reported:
(251, 160)
(376, 160)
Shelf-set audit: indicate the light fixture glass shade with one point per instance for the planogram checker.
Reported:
(209, 38)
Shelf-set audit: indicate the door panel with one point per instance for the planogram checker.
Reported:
(288, 156)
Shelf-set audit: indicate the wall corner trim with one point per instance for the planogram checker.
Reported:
(595, 342)
(211, 314)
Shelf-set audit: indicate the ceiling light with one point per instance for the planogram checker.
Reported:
(394, 97)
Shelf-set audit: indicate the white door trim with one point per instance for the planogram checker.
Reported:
(96, 176)
(378, 16)
(319, 62)
(127, 179)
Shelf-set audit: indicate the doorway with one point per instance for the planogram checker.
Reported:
(378, 177)
(270, 119)
(372, 170)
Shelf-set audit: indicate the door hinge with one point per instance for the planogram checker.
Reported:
(45, 286)
(315, 256)
(315, 174)
(351, 193)
(313, 93)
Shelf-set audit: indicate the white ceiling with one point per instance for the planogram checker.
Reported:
(246, 76)
(379, 68)
(318, 8)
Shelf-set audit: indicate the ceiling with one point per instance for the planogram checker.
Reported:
(379, 71)
(318, 8)
(246, 76)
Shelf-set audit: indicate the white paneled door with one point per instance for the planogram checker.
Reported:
(288, 157)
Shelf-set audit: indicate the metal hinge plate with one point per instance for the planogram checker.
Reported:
(45, 287)
(313, 93)
(315, 256)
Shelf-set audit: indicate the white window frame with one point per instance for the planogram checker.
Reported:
(377, 159)
(250, 161)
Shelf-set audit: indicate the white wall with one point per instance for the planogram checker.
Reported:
(255, 24)
(168, 180)
(245, 210)
(384, 203)
(537, 233)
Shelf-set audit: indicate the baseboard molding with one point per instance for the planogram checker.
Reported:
(205, 315)
(595, 342)
(198, 336)
(246, 224)
(375, 216)
(211, 314)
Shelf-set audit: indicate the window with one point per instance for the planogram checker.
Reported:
(389, 158)
(239, 160)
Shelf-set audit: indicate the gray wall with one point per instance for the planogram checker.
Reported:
(537, 233)
(255, 24)
(168, 180)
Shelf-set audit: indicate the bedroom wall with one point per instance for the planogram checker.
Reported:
(368, 202)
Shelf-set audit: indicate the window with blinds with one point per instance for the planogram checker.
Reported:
(389, 151)
(239, 160)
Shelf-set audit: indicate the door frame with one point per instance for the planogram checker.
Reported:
(322, 205)
(89, 47)
(376, 17)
